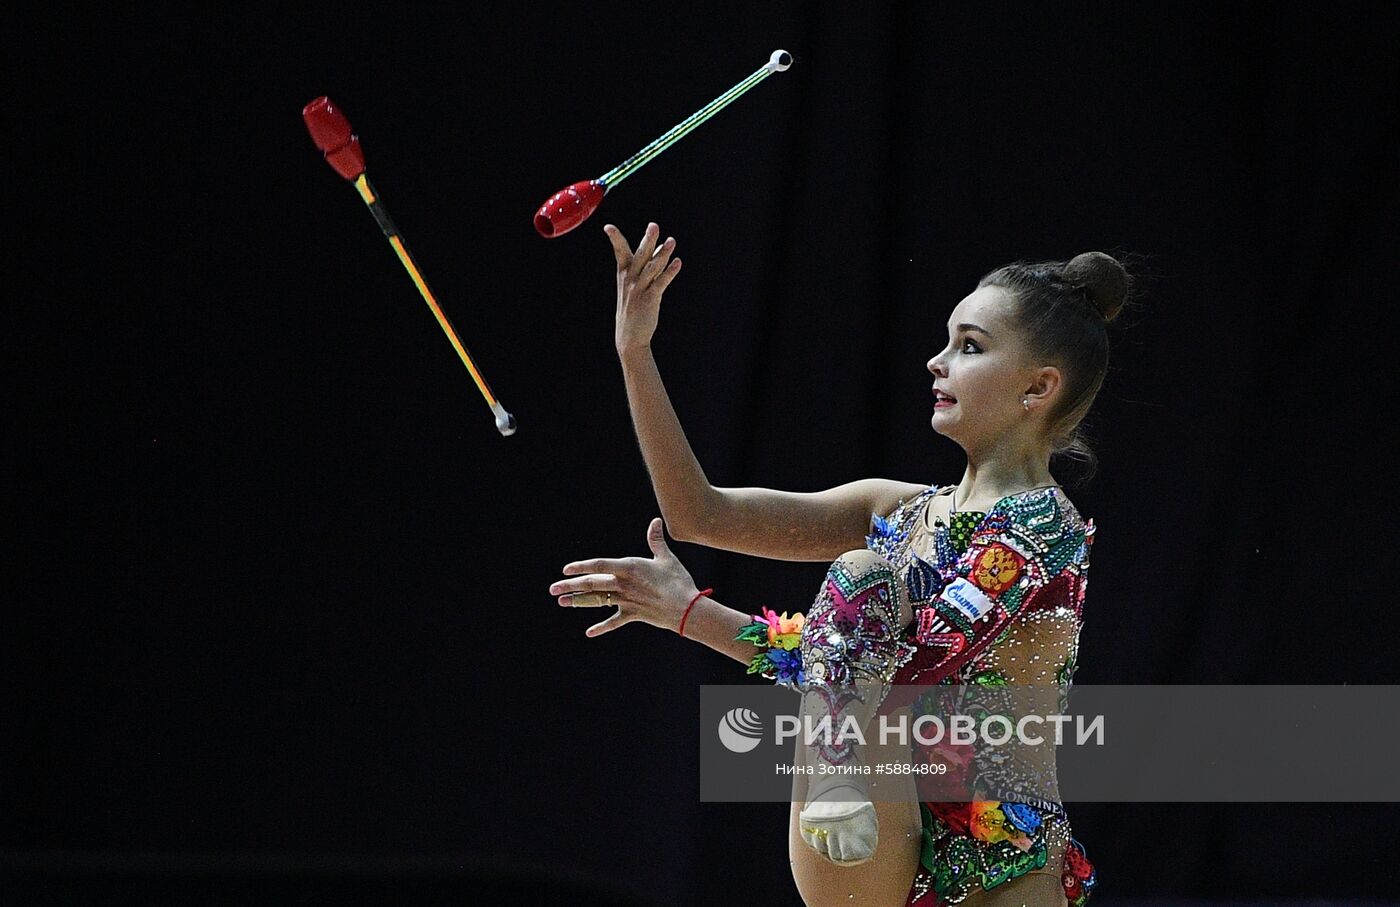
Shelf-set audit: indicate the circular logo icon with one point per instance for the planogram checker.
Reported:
(740, 730)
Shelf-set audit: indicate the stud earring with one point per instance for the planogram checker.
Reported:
(1026, 403)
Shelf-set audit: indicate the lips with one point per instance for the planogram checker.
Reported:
(943, 399)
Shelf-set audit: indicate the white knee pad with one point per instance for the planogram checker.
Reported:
(846, 831)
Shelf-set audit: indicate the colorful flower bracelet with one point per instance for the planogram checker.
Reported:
(778, 637)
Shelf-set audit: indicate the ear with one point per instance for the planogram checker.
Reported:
(1044, 384)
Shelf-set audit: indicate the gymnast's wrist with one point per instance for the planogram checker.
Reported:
(688, 613)
(778, 639)
(630, 351)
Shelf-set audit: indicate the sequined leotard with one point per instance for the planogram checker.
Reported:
(1029, 557)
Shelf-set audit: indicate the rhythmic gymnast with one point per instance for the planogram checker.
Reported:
(981, 582)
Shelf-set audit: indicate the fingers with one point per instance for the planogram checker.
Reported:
(651, 264)
(596, 565)
(659, 259)
(619, 247)
(607, 626)
(644, 249)
(595, 585)
(656, 538)
(664, 279)
(590, 600)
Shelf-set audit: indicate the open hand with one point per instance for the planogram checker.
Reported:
(642, 276)
(654, 590)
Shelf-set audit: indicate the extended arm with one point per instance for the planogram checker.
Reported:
(657, 591)
(783, 525)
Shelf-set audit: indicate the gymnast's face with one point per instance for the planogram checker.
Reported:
(982, 369)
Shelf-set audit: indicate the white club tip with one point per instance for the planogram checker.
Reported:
(505, 422)
(780, 61)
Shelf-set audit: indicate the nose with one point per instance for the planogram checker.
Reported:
(937, 368)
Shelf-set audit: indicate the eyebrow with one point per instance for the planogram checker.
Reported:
(968, 326)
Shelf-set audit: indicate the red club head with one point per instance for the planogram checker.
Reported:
(330, 130)
(569, 207)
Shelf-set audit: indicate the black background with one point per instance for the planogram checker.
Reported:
(278, 613)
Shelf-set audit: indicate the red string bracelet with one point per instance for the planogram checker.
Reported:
(703, 592)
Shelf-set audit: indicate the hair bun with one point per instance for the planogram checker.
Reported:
(1102, 278)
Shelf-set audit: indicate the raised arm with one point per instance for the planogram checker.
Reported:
(783, 525)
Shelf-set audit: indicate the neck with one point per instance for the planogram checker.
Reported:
(987, 481)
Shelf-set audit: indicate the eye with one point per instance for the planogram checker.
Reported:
(973, 343)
